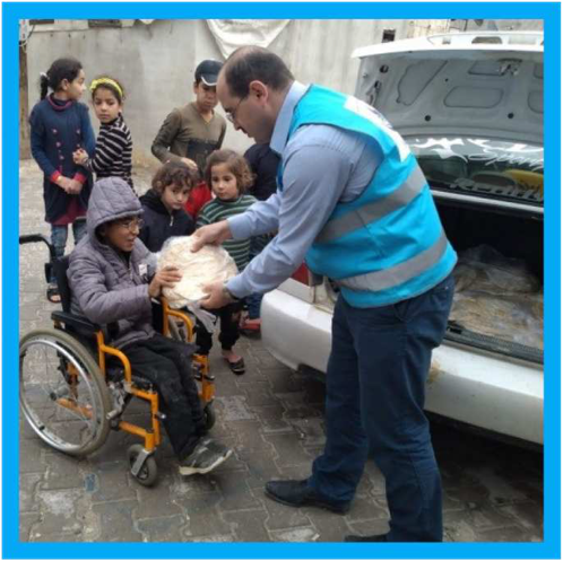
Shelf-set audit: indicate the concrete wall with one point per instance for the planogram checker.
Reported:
(156, 62)
(497, 25)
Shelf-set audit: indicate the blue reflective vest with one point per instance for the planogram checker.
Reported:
(388, 244)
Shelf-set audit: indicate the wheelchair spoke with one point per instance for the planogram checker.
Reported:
(62, 396)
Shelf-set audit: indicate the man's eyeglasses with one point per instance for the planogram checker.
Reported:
(130, 224)
(230, 114)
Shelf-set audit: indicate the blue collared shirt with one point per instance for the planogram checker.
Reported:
(322, 166)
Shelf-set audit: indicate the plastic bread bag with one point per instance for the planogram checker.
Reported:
(498, 296)
(211, 264)
(516, 317)
(485, 269)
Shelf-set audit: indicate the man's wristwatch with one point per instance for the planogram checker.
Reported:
(229, 295)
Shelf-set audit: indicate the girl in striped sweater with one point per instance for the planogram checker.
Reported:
(229, 176)
(113, 145)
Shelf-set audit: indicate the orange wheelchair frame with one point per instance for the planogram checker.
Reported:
(76, 364)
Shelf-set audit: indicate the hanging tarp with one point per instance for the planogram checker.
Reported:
(232, 34)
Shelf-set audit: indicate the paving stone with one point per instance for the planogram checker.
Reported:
(330, 527)
(366, 508)
(234, 408)
(272, 418)
(248, 525)
(113, 485)
(367, 527)
(507, 534)
(28, 486)
(202, 516)
(32, 455)
(300, 534)
(528, 514)
(260, 467)
(60, 512)
(236, 494)
(281, 516)
(27, 521)
(289, 452)
(62, 472)
(161, 529)
(117, 521)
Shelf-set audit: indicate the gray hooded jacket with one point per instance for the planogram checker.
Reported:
(106, 286)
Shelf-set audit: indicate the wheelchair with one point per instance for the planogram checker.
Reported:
(74, 388)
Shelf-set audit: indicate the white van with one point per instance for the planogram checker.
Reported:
(471, 108)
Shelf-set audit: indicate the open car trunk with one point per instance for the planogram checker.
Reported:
(498, 303)
(472, 112)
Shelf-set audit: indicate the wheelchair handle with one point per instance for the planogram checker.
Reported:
(33, 238)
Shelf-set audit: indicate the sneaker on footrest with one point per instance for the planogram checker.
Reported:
(207, 455)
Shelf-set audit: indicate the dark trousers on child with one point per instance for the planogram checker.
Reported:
(229, 328)
(168, 365)
(59, 236)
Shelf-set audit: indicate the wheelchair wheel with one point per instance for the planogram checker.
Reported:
(209, 413)
(149, 472)
(63, 395)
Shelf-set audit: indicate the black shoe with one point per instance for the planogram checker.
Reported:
(296, 493)
(370, 538)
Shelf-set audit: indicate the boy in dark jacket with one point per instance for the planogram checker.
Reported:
(164, 203)
(110, 283)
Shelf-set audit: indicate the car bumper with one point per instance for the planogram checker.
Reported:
(465, 384)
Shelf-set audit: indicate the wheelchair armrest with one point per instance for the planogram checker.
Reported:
(83, 326)
(180, 314)
(79, 323)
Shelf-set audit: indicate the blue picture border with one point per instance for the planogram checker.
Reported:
(551, 13)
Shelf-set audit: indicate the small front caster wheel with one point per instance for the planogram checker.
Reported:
(148, 473)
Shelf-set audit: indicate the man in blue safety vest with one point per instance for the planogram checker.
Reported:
(353, 203)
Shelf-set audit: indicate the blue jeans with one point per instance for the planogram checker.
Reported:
(379, 362)
(59, 236)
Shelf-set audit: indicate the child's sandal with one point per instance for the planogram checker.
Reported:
(53, 294)
(237, 367)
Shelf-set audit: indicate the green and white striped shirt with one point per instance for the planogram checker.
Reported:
(217, 210)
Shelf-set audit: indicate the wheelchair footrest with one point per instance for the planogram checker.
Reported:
(141, 383)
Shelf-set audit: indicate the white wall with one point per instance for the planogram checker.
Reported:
(156, 62)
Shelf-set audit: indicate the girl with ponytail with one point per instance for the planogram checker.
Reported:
(60, 125)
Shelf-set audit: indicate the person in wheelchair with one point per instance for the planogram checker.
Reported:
(110, 280)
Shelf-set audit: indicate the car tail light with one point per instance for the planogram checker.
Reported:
(301, 275)
(305, 276)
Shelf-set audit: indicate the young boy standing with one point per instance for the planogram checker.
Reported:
(164, 204)
(191, 133)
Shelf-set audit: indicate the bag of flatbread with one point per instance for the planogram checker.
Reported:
(485, 269)
(210, 265)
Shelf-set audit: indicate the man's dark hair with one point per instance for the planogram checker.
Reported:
(255, 63)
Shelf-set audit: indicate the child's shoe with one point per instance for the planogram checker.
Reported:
(207, 455)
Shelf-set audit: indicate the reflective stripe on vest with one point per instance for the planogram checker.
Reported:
(371, 212)
(398, 274)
